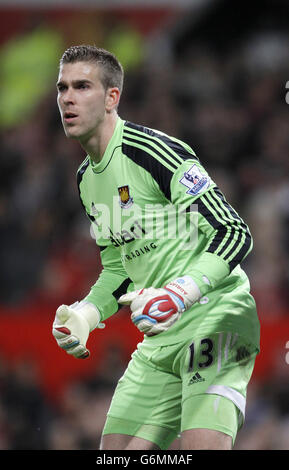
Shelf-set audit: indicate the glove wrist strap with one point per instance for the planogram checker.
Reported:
(187, 288)
(90, 312)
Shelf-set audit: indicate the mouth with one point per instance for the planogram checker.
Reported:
(69, 117)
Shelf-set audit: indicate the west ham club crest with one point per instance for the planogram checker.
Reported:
(125, 200)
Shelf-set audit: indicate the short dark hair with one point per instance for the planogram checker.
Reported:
(112, 70)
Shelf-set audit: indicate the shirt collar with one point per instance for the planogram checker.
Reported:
(112, 144)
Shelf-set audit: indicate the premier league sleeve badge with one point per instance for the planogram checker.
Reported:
(195, 180)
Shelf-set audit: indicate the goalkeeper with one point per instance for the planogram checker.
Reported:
(183, 281)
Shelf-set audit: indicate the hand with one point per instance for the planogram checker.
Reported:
(155, 309)
(72, 326)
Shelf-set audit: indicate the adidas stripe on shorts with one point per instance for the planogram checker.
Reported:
(169, 389)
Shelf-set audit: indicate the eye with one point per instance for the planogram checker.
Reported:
(82, 86)
(61, 88)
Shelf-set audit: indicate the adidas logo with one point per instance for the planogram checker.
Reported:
(196, 378)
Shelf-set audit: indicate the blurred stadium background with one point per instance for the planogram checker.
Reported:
(214, 74)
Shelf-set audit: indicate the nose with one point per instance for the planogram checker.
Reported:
(68, 97)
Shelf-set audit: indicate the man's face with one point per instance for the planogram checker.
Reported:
(81, 99)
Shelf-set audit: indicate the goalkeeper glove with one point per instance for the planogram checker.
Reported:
(155, 309)
(72, 326)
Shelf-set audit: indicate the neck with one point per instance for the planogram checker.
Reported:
(97, 143)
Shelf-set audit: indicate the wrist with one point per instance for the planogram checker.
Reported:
(209, 271)
(90, 312)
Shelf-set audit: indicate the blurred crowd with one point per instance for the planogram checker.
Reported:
(231, 109)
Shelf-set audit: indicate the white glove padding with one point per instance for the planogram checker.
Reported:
(155, 309)
(72, 326)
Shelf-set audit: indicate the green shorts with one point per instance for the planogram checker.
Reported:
(169, 389)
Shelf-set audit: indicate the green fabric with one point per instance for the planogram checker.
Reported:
(157, 215)
(201, 383)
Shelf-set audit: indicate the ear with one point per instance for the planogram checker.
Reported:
(112, 99)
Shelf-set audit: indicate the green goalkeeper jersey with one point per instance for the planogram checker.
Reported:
(157, 215)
